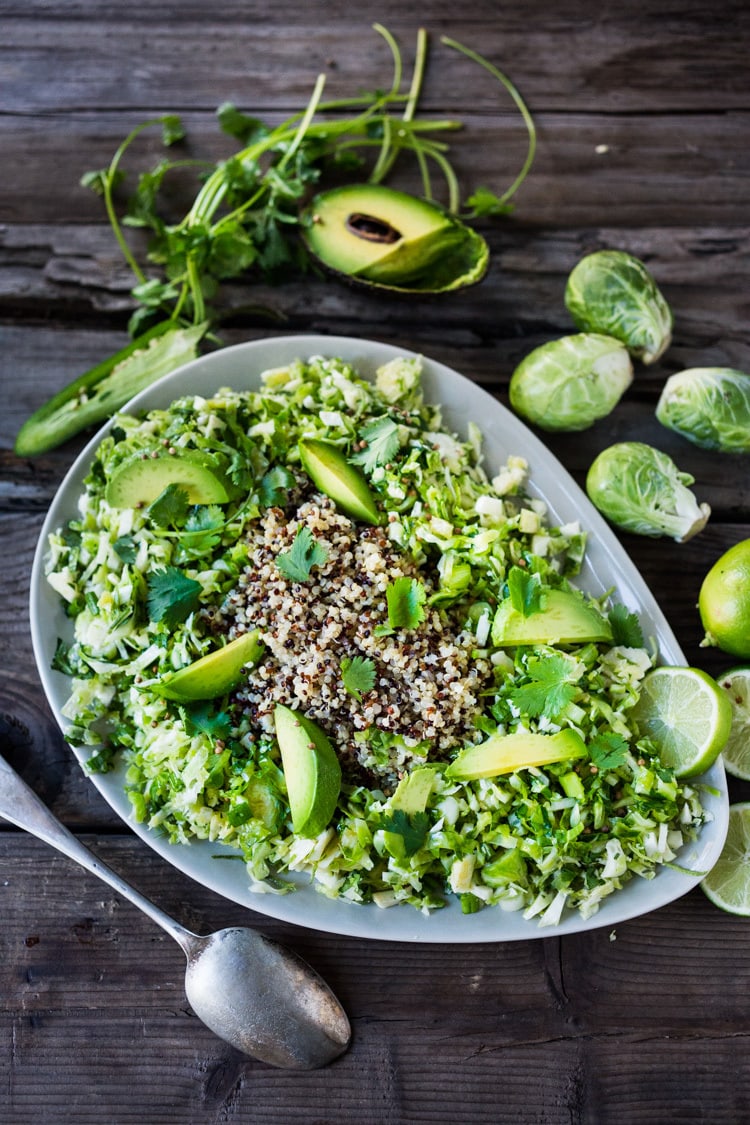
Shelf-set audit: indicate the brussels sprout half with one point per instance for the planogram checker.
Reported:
(567, 384)
(709, 406)
(610, 291)
(640, 489)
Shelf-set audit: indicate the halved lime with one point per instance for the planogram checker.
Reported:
(736, 752)
(728, 882)
(686, 715)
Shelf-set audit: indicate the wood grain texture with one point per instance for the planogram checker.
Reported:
(642, 115)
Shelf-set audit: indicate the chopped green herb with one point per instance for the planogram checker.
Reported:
(525, 591)
(126, 548)
(305, 553)
(381, 444)
(608, 750)
(626, 628)
(274, 487)
(170, 507)
(412, 827)
(357, 675)
(405, 597)
(172, 596)
(203, 719)
(550, 690)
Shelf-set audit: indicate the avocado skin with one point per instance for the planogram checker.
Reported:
(311, 769)
(565, 618)
(421, 248)
(341, 481)
(139, 480)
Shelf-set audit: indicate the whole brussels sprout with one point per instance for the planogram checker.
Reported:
(567, 384)
(640, 489)
(710, 406)
(611, 291)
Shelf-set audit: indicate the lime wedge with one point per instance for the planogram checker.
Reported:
(736, 752)
(686, 715)
(728, 882)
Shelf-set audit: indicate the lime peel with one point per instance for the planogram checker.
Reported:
(727, 884)
(736, 753)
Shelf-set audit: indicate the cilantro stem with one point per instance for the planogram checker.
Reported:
(385, 164)
(109, 180)
(397, 65)
(304, 124)
(520, 103)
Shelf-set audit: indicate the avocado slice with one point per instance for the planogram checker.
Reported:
(214, 674)
(311, 769)
(413, 791)
(341, 481)
(139, 480)
(506, 753)
(565, 618)
(379, 236)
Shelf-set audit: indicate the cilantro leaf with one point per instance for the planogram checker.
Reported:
(357, 674)
(172, 596)
(626, 628)
(382, 444)
(485, 202)
(170, 507)
(126, 549)
(238, 125)
(274, 487)
(201, 533)
(608, 750)
(61, 659)
(551, 688)
(412, 827)
(525, 591)
(405, 597)
(305, 553)
(202, 719)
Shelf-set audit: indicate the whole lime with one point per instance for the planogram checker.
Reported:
(724, 601)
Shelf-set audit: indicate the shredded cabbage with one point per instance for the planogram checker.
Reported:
(541, 840)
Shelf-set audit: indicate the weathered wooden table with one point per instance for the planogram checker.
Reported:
(642, 112)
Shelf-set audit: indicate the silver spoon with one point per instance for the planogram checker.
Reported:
(248, 989)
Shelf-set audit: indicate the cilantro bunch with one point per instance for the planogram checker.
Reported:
(246, 212)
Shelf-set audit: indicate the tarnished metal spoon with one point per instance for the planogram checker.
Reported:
(254, 993)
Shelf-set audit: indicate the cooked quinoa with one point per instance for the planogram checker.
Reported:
(426, 681)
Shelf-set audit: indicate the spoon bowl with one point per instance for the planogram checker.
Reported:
(281, 1011)
(248, 989)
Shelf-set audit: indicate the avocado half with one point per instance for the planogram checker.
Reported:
(380, 237)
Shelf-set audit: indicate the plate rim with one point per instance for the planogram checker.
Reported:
(307, 907)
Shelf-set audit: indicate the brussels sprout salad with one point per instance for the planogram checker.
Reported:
(316, 628)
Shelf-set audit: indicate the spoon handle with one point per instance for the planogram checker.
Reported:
(21, 806)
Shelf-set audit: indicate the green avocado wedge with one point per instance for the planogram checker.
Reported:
(311, 769)
(564, 618)
(214, 674)
(341, 481)
(377, 236)
(140, 480)
(506, 753)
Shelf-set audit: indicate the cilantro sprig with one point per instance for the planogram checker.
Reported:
(172, 596)
(357, 675)
(551, 688)
(296, 564)
(405, 598)
(246, 210)
(381, 443)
